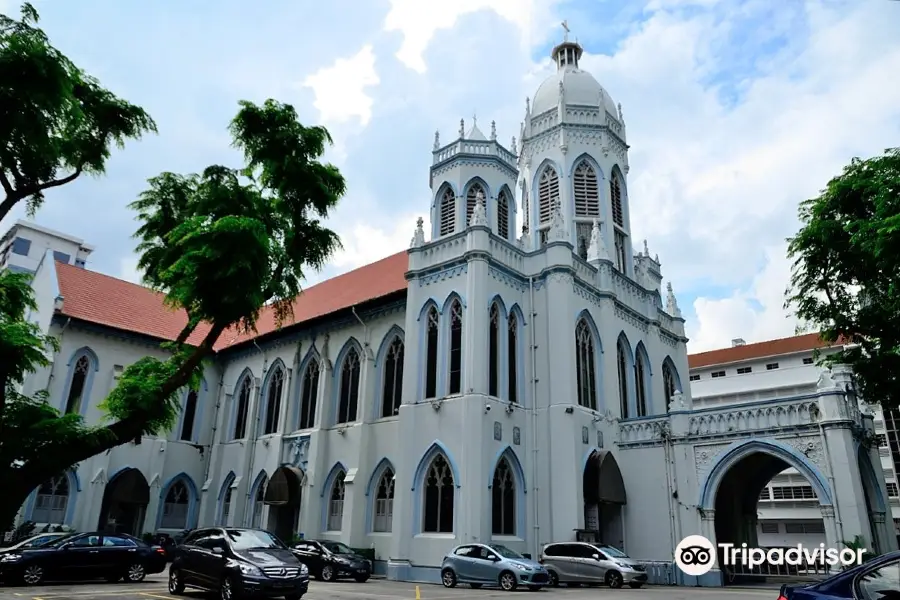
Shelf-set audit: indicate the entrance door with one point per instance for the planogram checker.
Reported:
(124, 506)
(282, 495)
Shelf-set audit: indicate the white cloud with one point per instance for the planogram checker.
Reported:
(340, 90)
(128, 269)
(365, 243)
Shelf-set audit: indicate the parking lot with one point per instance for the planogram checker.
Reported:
(155, 589)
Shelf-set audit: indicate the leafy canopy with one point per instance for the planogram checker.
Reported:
(846, 273)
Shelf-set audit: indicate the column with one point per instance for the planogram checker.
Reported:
(476, 323)
(831, 534)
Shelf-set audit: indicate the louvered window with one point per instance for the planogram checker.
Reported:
(448, 212)
(503, 215)
(548, 193)
(587, 193)
(471, 199)
(615, 194)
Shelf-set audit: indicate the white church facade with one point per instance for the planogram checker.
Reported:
(482, 385)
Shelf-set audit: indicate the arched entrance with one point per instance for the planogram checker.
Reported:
(604, 497)
(875, 504)
(125, 502)
(283, 495)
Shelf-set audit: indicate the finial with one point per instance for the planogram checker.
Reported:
(418, 239)
(462, 128)
(565, 26)
(493, 130)
(474, 119)
(437, 140)
(621, 118)
(596, 249)
(671, 302)
(646, 250)
(527, 104)
(512, 145)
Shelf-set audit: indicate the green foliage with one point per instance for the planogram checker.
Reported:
(57, 122)
(859, 543)
(22, 345)
(846, 273)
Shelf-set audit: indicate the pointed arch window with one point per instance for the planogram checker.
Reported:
(243, 406)
(640, 387)
(548, 193)
(392, 393)
(336, 503)
(585, 365)
(259, 502)
(503, 215)
(439, 497)
(615, 195)
(622, 362)
(309, 393)
(494, 352)
(503, 500)
(188, 415)
(431, 352)
(349, 392)
(384, 502)
(472, 199)
(512, 349)
(175, 507)
(456, 323)
(668, 382)
(78, 385)
(586, 190)
(273, 400)
(226, 504)
(448, 212)
(52, 501)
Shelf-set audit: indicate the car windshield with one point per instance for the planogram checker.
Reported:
(505, 552)
(38, 540)
(613, 552)
(251, 539)
(59, 541)
(337, 548)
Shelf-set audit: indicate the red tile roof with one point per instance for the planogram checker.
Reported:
(104, 300)
(797, 343)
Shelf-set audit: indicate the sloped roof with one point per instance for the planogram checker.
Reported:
(104, 300)
(788, 345)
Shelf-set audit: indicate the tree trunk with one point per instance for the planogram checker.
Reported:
(11, 500)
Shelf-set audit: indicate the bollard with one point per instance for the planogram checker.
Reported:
(418, 595)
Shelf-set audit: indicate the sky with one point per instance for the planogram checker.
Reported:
(736, 111)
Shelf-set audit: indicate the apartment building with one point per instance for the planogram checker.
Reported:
(25, 243)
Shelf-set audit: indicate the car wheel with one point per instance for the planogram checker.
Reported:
(448, 578)
(176, 583)
(475, 586)
(327, 573)
(534, 588)
(635, 586)
(361, 578)
(554, 579)
(32, 575)
(226, 591)
(614, 579)
(508, 581)
(135, 573)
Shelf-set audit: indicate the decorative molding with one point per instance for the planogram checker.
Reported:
(498, 431)
(517, 436)
(442, 274)
(585, 439)
(507, 279)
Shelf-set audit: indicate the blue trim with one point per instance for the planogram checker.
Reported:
(587, 455)
(261, 478)
(436, 209)
(263, 408)
(502, 350)
(423, 344)
(226, 484)
(193, 500)
(202, 395)
(235, 399)
(668, 361)
(511, 212)
(743, 448)
(523, 394)
(641, 350)
(535, 217)
(598, 357)
(515, 308)
(602, 193)
(631, 397)
(336, 380)
(443, 380)
(867, 471)
(428, 304)
(436, 447)
(74, 491)
(88, 380)
(521, 488)
(393, 333)
(311, 355)
(488, 197)
(325, 494)
(377, 473)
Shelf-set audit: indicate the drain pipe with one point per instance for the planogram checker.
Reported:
(215, 427)
(669, 490)
(534, 426)
(252, 435)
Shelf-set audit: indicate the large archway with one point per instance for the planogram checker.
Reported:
(283, 496)
(875, 503)
(124, 505)
(604, 499)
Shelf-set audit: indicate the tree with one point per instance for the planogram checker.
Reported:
(56, 122)
(846, 272)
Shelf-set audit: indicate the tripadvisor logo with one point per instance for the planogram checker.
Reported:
(695, 555)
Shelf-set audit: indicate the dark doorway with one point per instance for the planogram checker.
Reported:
(283, 496)
(124, 504)
(604, 497)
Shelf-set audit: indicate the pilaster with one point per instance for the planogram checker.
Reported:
(476, 323)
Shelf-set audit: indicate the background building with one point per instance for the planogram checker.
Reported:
(25, 243)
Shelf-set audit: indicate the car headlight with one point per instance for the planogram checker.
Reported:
(249, 569)
(622, 565)
(304, 570)
(522, 568)
(10, 557)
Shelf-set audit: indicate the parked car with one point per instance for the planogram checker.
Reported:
(84, 556)
(34, 541)
(576, 563)
(875, 579)
(329, 560)
(491, 564)
(237, 563)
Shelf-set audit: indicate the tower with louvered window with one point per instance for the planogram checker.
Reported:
(469, 166)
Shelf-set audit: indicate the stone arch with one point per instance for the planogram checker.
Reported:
(437, 211)
(511, 211)
(124, 505)
(276, 367)
(626, 397)
(239, 412)
(394, 332)
(520, 490)
(72, 484)
(375, 522)
(643, 381)
(583, 319)
(193, 501)
(485, 188)
(284, 497)
(875, 501)
(256, 504)
(498, 299)
(86, 374)
(225, 500)
(436, 447)
(446, 383)
(603, 491)
(389, 376)
(305, 415)
(350, 346)
(535, 221)
(420, 489)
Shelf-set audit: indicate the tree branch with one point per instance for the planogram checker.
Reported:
(7, 187)
(13, 196)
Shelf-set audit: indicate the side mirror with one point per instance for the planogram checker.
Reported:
(596, 557)
(495, 558)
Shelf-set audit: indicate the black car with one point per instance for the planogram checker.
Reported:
(329, 560)
(237, 563)
(84, 556)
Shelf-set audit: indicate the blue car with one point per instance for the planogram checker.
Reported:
(877, 579)
(492, 564)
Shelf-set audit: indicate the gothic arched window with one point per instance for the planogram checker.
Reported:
(384, 502)
(622, 362)
(431, 352)
(175, 507)
(309, 393)
(669, 387)
(456, 321)
(472, 199)
(259, 502)
(349, 392)
(494, 351)
(78, 384)
(273, 400)
(640, 388)
(585, 365)
(512, 347)
(336, 503)
(52, 501)
(226, 503)
(615, 195)
(392, 393)
(188, 415)
(447, 212)
(503, 215)
(503, 500)
(586, 190)
(548, 193)
(439, 497)
(243, 405)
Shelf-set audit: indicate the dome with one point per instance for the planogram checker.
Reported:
(580, 86)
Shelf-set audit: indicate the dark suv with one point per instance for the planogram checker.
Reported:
(329, 560)
(237, 563)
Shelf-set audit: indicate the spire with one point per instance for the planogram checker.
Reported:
(474, 133)
(671, 303)
(418, 239)
(597, 249)
(462, 128)
(493, 130)
(646, 249)
(437, 140)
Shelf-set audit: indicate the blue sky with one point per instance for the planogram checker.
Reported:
(736, 110)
